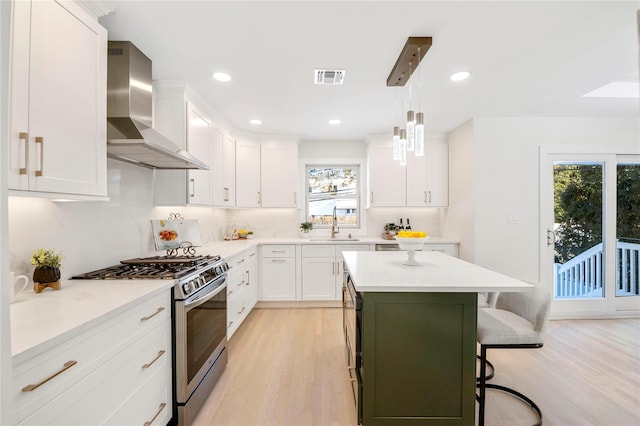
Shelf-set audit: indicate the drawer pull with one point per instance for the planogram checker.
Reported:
(277, 251)
(157, 414)
(278, 260)
(241, 310)
(67, 365)
(160, 353)
(240, 261)
(252, 254)
(160, 309)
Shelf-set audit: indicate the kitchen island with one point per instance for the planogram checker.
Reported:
(410, 333)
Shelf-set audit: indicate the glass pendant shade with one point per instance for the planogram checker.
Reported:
(403, 147)
(396, 143)
(419, 133)
(411, 126)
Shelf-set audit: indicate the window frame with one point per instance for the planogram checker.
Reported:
(356, 163)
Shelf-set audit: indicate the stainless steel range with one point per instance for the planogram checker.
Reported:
(199, 320)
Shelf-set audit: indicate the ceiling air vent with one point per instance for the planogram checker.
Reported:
(328, 76)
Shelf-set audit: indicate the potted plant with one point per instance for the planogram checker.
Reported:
(47, 272)
(306, 227)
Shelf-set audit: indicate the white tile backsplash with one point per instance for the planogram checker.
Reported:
(97, 234)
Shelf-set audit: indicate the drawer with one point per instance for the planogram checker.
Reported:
(318, 250)
(89, 350)
(151, 403)
(278, 251)
(94, 398)
(235, 262)
(236, 282)
(251, 255)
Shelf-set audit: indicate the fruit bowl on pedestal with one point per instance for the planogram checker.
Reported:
(411, 244)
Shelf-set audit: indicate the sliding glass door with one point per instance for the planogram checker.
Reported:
(590, 220)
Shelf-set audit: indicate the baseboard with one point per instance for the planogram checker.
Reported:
(587, 316)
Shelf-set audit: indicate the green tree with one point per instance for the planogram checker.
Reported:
(578, 191)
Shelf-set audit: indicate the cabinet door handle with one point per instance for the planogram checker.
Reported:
(371, 197)
(67, 365)
(157, 414)
(160, 353)
(39, 167)
(429, 197)
(248, 276)
(23, 136)
(160, 309)
(259, 198)
(193, 187)
(295, 198)
(226, 194)
(425, 197)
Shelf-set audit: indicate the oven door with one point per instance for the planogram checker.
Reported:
(201, 336)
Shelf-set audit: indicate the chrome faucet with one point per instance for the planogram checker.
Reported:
(334, 224)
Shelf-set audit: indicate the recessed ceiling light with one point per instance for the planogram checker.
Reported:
(334, 122)
(461, 75)
(255, 122)
(221, 76)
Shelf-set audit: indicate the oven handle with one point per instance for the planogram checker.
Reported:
(200, 299)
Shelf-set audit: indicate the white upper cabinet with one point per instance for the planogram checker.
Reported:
(223, 170)
(387, 180)
(199, 138)
(247, 173)
(188, 125)
(423, 182)
(279, 173)
(58, 100)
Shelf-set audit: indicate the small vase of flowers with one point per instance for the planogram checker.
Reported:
(47, 272)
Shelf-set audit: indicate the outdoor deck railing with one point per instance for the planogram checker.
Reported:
(582, 275)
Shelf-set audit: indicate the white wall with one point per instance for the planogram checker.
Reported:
(458, 222)
(92, 234)
(506, 180)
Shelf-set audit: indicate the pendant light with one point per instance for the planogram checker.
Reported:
(411, 121)
(419, 129)
(403, 147)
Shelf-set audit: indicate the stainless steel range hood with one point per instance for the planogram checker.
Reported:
(130, 136)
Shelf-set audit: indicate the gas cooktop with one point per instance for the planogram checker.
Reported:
(156, 267)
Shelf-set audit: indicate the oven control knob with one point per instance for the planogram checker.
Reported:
(185, 288)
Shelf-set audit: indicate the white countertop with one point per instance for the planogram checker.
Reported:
(42, 321)
(436, 272)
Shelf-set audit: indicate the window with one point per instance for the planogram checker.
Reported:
(333, 190)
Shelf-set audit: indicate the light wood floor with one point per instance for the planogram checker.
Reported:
(287, 367)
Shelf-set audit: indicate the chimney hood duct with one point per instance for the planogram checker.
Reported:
(130, 137)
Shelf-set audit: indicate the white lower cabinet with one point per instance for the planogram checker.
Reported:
(322, 266)
(277, 272)
(242, 288)
(92, 378)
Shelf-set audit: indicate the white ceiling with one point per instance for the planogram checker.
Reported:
(527, 58)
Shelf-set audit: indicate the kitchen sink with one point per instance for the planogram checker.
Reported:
(334, 239)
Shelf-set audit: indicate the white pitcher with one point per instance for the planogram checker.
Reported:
(16, 285)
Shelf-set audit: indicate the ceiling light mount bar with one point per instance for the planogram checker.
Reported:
(401, 72)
